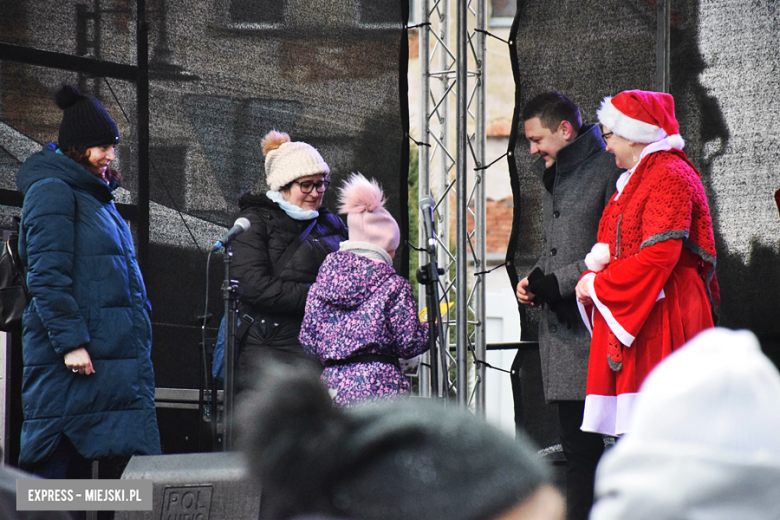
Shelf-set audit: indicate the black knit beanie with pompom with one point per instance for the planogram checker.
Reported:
(85, 123)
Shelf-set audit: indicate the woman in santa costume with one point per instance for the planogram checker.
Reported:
(650, 284)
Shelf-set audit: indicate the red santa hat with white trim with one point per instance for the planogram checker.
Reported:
(641, 117)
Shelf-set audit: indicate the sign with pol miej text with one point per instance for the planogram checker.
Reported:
(83, 495)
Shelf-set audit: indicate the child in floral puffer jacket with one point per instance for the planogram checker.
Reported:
(360, 315)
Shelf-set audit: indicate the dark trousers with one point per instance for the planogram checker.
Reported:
(583, 451)
(65, 462)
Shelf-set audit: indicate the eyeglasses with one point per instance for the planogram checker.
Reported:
(307, 186)
(607, 135)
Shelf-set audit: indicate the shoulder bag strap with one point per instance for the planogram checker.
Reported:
(292, 248)
(246, 319)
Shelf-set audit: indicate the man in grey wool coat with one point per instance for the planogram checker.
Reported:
(579, 177)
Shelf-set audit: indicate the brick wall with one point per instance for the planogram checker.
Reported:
(498, 224)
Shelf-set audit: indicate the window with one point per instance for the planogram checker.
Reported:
(259, 12)
(167, 178)
(502, 12)
(373, 12)
(413, 14)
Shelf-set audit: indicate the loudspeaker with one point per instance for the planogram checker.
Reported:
(195, 486)
(182, 428)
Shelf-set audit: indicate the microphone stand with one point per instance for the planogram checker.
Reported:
(230, 298)
(428, 275)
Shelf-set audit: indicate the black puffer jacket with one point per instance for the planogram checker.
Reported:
(278, 304)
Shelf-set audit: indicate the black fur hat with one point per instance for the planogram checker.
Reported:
(396, 460)
(85, 123)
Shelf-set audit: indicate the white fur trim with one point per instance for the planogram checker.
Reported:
(608, 414)
(676, 141)
(598, 258)
(626, 127)
(624, 336)
(587, 320)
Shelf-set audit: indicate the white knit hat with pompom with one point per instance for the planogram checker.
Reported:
(702, 440)
(368, 220)
(286, 161)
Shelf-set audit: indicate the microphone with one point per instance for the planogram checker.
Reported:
(426, 207)
(241, 225)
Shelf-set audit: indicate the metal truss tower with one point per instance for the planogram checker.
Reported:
(451, 169)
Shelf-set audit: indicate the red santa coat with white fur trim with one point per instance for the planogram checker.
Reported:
(659, 289)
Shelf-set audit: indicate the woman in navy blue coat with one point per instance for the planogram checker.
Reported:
(88, 385)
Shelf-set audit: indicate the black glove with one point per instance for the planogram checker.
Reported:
(568, 313)
(535, 276)
(545, 289)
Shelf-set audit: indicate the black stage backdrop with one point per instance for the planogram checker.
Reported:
(724, 60)
(221, 74)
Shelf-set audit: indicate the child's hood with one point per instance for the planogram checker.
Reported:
(346, 280)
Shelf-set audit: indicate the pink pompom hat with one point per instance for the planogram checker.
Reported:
(368, 220)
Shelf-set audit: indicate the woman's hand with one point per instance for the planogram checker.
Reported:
(79, 362)
(582, 291)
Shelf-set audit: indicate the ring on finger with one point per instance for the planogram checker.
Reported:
(75, 370)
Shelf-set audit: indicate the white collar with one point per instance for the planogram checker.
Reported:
(366, 249)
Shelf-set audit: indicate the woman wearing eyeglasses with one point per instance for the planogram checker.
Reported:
(277, 259)
(651, 283)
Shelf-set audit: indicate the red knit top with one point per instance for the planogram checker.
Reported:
(665, 201)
